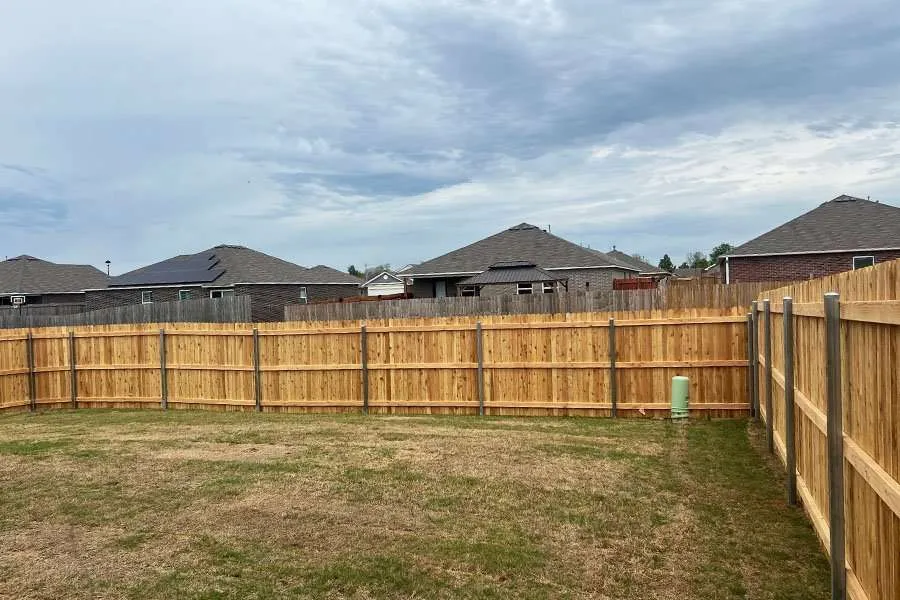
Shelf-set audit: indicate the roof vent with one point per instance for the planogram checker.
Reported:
(846, 198)
(522, 227)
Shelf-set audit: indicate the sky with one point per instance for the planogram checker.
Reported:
(351, 131)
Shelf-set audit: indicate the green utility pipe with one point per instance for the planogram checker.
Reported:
(680, 393)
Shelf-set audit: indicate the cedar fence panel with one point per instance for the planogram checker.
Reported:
(870, 390)
(532, 365)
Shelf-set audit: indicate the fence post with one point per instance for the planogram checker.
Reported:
(257, 381)
(750, 362)
(613, 382)
(364, 352)
(73, 376)
(835, 428)
(32, 391)
(479, 352)
(163, 378)
(790, 444)
(770, 418)
(754, 358)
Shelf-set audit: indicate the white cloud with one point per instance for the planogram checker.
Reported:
(337, 131)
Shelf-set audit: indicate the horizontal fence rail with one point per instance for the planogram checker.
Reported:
(841, 441)
(502, 365)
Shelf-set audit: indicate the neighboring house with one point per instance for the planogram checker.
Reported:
(645, 269)
(26, 280)
(515, 277)
(384, 284)
(271, 283)
(582, 268)
(839, 235)
(692, 274)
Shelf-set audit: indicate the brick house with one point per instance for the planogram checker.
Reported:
(839, 235)
(574, 266)
(226, 270)
(26, 281)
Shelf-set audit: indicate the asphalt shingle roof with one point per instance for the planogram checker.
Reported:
(244, 265)
(30, 275)
(325, 274)
(523, 242)
(511, 272)
(844, 223)
(643, 267)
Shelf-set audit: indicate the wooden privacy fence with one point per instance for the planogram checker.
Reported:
(667, 297)
(234, 309)
(579, 364)
(828, 373)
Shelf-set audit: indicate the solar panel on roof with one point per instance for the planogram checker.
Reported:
(188, 269)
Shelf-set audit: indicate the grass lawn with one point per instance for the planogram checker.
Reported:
(104, 504)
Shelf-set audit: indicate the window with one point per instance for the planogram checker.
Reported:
(549, 287)
(524, 288)
(184, 294)
(146, 297)
(303, 297)
(225, 293)
(861, 262)
(469, 290)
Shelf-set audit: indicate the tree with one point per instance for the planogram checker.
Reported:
(640, 257)
(666, 263)
(720, 250)
(697, 260)
(373, 271)
(354, 271)
(684, 265)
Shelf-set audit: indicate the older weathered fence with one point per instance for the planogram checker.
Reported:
(829, 393)
(526, 365)
(203, 310)
(665, 297)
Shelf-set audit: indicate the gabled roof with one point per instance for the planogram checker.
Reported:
(522, 242)
(228, 265)
(643, 267)
(29, 275)
(326, 274)
(842, 224)
(383, 277)
(690, 272)
(511, 272)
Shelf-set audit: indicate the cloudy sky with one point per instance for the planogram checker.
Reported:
(352, 131)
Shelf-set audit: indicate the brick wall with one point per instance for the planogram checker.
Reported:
(111, 298)
(62, 299)
(797, 267)
(267, 302)
(579, 280)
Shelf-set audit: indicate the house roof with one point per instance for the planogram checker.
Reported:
(686, 272)
(511, 272)
(842, 224)
(226, 265)
(29, 275)
(643, 267)
(522, 242)
(326, 274)
(383, 277)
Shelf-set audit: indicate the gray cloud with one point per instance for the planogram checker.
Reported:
(342, 131)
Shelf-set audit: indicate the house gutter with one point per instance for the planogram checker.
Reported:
(836, 251)
(727, 271)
